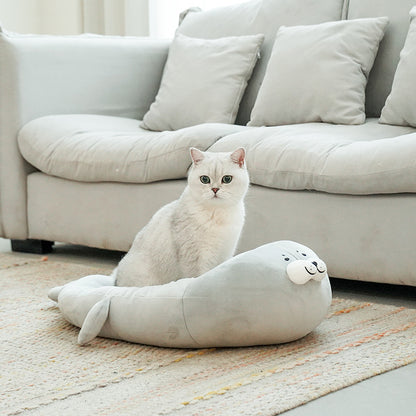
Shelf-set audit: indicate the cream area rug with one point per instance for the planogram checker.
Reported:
(45, 372)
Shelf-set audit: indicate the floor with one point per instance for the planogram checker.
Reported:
(392, 393)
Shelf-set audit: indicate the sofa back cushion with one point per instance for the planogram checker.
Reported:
(381, 76)
(258, 16)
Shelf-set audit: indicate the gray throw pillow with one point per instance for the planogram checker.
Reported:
(319, 73)
(203, 81)
(400, 107)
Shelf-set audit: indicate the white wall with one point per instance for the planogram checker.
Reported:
(137, 17)
(65, 17)
(60, 16)
(116, 17)
(20, 15)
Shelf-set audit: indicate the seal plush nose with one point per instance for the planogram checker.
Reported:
(301, 271)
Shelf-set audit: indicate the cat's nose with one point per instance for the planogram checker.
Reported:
(215, 190)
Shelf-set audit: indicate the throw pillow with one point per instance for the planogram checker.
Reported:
(203, 81)
(319, 73)
(400, 107)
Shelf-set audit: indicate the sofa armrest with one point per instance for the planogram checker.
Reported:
(43, 75)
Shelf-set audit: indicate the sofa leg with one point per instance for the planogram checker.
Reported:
(32, 246)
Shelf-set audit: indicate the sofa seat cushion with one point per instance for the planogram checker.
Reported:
(92, 148)
(365, 159)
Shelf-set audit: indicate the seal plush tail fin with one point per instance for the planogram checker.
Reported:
(94, 321)
(54, 293)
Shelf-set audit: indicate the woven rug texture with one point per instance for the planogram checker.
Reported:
(45, 372)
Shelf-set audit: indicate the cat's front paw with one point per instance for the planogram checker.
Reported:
(301, 271)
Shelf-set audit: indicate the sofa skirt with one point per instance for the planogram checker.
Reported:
(359, 237)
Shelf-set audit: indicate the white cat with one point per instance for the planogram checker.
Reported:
(195, 233)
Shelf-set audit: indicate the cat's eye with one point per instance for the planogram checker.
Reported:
(205, 179)
(227, 179)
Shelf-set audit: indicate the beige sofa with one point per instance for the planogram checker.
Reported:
(76, 167)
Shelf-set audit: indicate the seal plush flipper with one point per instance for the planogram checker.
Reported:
(94, 321)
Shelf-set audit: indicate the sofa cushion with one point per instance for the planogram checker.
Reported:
(203, 81)
(364, 159)
(400, 107)
(94, 148)
(381, 76)
(319, 73)
(258, 16)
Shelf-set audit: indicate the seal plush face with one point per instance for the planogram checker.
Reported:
(303, 264)
(301, 271)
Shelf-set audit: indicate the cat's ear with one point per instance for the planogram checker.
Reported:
(197, 155)
(238, 156)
